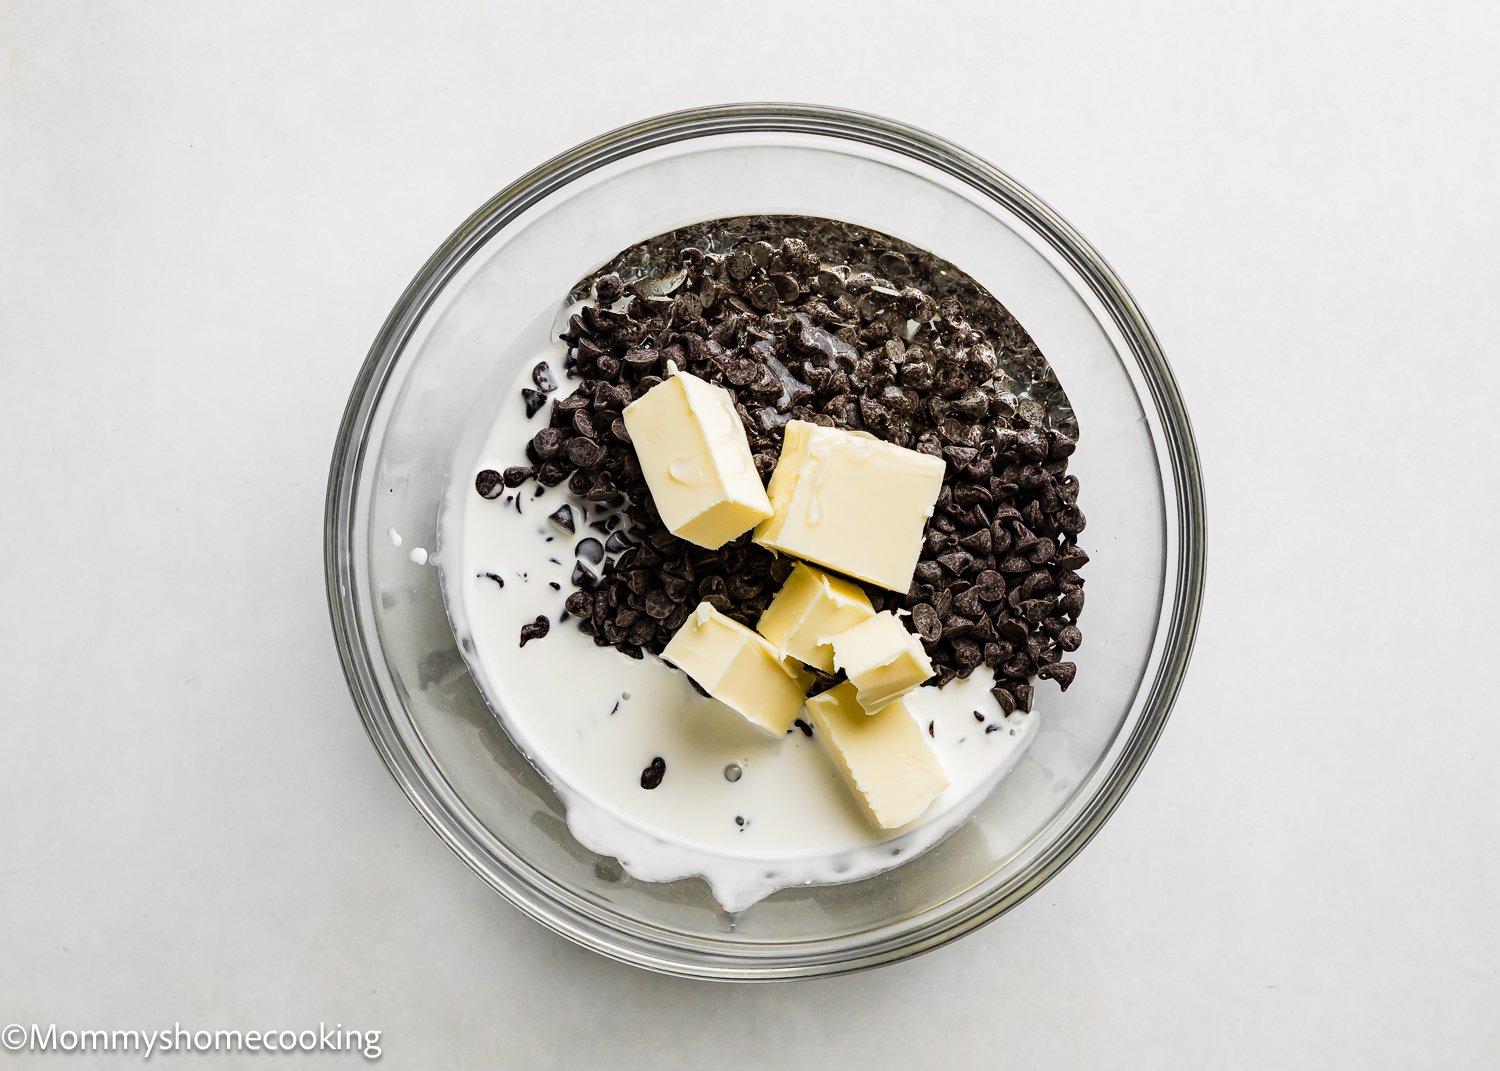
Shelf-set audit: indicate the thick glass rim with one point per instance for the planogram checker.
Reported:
(415, 771)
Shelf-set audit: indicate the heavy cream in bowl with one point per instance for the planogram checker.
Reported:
(748, 813)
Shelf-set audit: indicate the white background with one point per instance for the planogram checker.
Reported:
(206, 209)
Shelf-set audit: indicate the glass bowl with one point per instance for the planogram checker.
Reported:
(506, 270)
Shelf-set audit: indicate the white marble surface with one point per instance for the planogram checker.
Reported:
(207, 209)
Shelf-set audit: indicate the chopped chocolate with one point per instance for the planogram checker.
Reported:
(496, 577)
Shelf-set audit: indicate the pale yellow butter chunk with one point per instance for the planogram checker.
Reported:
(811, 607)
(851, 502)
(696, 460)
(739, 669)
(882, 660)
(884, 757)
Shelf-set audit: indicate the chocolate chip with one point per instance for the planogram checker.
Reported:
(1042, 551)
(652, 775)
(787, 288)
(743, 588)
(1061, 672)
(608, 289)
(967, 603)
(977, 543)
(547, 443)
(662, 539)
(1006, 700)
(997, 653)
(989, 586)
(969, 656)
(534, 400)
(516, 475)
(541, 375)
(927, 622)
(739, 265)
(659, 604)
(583, 576)
(617, 543)
(562, 517)
(956, 562)
(1069, 638)
(1035, 610)
(1037, 582)
(590, 550)
(585, 453)
(804, 727)
(535, 630)
(488, 483)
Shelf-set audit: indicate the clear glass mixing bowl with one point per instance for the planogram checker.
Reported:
(512, 262)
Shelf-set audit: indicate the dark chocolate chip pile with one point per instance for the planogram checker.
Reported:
(795, 335)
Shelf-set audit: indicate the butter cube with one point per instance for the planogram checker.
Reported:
(739, 669)
(882, 659)
(884, 757)
(696, 460)
(851, 502)
(811, 607)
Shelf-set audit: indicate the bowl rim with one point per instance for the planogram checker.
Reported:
(559, 909)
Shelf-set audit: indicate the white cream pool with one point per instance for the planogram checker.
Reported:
(591, 719)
